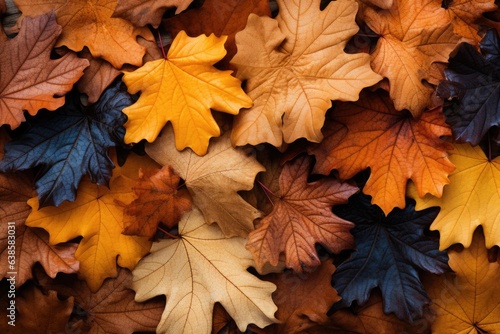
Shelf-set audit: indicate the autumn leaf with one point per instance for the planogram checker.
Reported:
(471, 199)
(142, 13)
(70, 143)
(389, 251)
(214, 180)
(29, 79)
(300, 218)
(222, 18)
(467, 301)
(475, 79)
(157, 200)
(201, 268)
(396, 147)
(167, 93)
(89, 23)
(413, 38)
(98, 218)
(294, 66)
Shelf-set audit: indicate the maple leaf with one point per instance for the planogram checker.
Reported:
(222, 18)
(29, 79)
(214, 180)
(467, 301)
(157, 200)
(111, 309)
(396, 147)
(413, 38)
(389, 252)
(201, 268)
(98, 218)
(89, 23)
(168, 94)
(475, 79)
(294, 66)
(142, 13)
(471, 199)
(300, 218)
(70, 143)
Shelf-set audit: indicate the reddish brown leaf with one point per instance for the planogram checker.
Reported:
(300, 218)
(158, 200)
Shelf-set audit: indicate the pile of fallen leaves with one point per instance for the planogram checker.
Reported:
(299, 166)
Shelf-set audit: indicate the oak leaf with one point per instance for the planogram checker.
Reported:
(222, 18)
(98, 218)
(396, 147)
(294, 66)
(471, 199)
(29, 79)
(474, 78)
(413, 39)
(182, 89)
(201, 268)
(69, 143)
(142, 13)
(158, 200)
(300, 218)
(214, 180)
(389, 251)
(467, 301)
(89, 23)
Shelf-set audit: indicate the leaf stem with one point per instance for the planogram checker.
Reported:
(267, 192)
(161, 45)
(168, 233)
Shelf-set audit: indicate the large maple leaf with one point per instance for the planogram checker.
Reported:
(182, 89)
(97, 216)
(467, 301)
(70, 143)
(89, 23)
(300, 218)
(396, 147)
(201, 268)
(142, 13)
(222, 18)
(29, 79)
(475, 79)
(471, 199)
(389, 252)
(294, 66)
(214, 180)
(413, 38)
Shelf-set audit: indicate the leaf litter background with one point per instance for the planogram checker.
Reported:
(251, 166)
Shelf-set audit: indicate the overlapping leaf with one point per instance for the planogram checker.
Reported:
(294, 66)
(24, 83)
(475, 79)
(396, 147)
(389, 252)
(201, 268)
(70, 143)
(471, 199)
(214, 180)
(144, 12)
(182, 89)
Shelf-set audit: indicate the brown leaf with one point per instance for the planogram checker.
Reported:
(222, 320)
(300, 218)
(144, 12)
(158, 200)
(220, 18)
(30, 80)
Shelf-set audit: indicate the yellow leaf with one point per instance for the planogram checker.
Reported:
(182, 89)
(471, 199)
(97, 216)
(197, 270)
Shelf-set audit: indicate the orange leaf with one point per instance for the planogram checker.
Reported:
(396, 147)
(89, 23)
(301, 217)
(30, 80)
(157, 200)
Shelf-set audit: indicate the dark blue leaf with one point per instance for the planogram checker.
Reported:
(69, 143)
(389, 252)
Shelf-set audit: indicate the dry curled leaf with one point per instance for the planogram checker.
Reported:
(144, 12)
